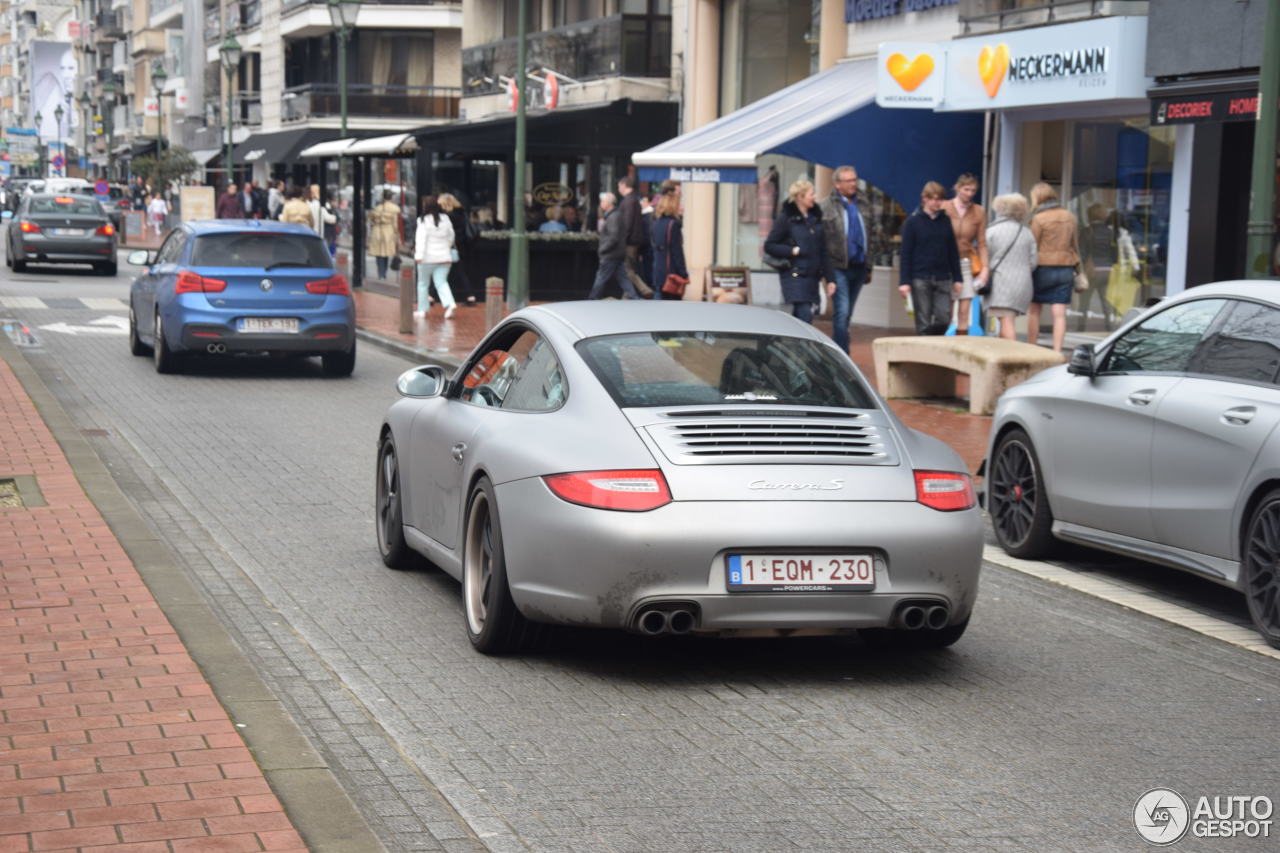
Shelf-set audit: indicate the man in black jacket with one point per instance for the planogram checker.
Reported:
(612, 251)
(633, 234)
(930, 264)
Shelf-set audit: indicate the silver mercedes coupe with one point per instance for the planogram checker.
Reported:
(1162, 442)
(674, 467)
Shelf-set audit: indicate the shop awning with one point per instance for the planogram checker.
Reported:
(830, 118)
(384, 146)
(204, 155)
(332, 148)
(280, 147)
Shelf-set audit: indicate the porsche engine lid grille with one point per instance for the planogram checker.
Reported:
(804, 439)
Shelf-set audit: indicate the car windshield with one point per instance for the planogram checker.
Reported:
(260, 250)
(697, 368)
(66, 205)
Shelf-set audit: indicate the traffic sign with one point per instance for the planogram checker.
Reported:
(59, 161)
(101, 188)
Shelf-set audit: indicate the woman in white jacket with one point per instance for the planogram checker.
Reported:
(433, 254)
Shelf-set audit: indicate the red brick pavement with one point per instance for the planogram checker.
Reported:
(110, 739)
(455, 338)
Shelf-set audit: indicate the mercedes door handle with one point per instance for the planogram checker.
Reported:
(1239, 416)
(458, 450)
(1143, 397)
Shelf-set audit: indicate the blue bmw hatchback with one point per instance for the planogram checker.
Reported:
(241, 286)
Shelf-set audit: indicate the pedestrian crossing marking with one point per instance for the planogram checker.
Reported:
(93, 303)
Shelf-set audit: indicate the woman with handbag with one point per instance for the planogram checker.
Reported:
(1058, 249)
(433, 254)
(969, 221)
(666, 237)
(797, 249)
(384, 236)
(1008, 287)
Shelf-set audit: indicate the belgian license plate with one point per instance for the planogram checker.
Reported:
(800, 572)
(68, 232)
(281, 325)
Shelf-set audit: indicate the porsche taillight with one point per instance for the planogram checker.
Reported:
(627, 490)
(190, 282)
(946, 491)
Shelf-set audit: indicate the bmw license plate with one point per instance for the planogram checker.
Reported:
(799, 572)
(281, 325)
(68, 232)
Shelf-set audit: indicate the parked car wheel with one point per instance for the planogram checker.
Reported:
(1261, 567)
(166, 360)
(392, 546)
(1017, 500)
(339, 363)
(493, 623)
(136, 346)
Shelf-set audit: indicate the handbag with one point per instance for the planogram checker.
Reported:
(395, 262)
(1122, 287)
(991, 277)
(675, 285)
(779, 264)
(1080, 282)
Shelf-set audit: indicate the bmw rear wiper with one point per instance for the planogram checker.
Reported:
(278, 264)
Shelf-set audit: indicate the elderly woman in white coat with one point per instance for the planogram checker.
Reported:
(1012, 252)
(433, 254)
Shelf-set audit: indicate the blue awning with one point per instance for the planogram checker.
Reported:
(830, 118)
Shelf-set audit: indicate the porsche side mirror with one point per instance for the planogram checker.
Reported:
(139, 258)
(429, 380)
(1082, 361)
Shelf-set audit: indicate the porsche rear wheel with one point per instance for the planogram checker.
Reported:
(493, 623)
(1017, 501)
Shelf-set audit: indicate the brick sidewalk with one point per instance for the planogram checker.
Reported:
(453, 339)
(110, 738)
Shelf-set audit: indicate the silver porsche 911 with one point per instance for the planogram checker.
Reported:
(1162, 442)
(674, 467)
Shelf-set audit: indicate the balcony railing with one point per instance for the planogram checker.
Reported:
(245, 15)
(363, 99)
(289, 5)
(619, 45)
(107, 25)
(248, 108)
(975, 18)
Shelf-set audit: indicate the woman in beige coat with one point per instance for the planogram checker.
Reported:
(384, 232)
(1058, 253)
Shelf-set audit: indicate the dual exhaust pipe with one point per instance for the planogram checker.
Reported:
(915, 617)
(655, 621)
(215, 349)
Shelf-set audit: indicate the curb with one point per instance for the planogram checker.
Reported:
(416, 354)
(319, 808)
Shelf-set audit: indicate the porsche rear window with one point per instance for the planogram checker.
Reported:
(698, 368)
(66, 205)
(259, 250)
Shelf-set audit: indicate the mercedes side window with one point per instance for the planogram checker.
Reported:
(1245, 346)
(1164, 343)
(540, 385)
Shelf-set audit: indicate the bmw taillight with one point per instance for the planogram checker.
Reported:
(629, 490)
(944, 490)
(190, 282)
(335, 285)
(27, 227)
(105, 230)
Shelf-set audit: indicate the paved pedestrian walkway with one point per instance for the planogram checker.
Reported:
(110, 737)
(450, 341)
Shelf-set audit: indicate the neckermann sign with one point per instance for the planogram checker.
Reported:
(1095, 60)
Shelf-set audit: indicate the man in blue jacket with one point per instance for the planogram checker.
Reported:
(846, 238)
(930, 262)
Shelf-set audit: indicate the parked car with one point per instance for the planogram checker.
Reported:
(666, 467)
(222, 287)
(1160, 443)
(61, 229)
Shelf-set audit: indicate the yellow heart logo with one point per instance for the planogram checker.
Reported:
(909, 74)
(992, 65)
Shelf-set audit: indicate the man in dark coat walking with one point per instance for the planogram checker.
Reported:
(228, 206)
(633, 234)
(612, 251)
(930, 265)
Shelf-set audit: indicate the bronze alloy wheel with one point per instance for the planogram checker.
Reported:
(1261, 567)
(494, 625)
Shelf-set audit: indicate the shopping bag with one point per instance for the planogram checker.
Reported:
(1122, 288)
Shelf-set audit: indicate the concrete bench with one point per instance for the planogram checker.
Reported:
(926, 366)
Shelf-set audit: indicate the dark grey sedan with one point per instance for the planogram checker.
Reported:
(61, 229)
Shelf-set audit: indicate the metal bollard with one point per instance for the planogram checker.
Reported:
(408, 290)
(495, 306)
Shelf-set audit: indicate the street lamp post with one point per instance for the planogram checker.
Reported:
(342, 14)
(58, 113)
(85, 124)
(158, 78)
(230, 53)
(109, 119)
(518, 263)
(39, 142)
